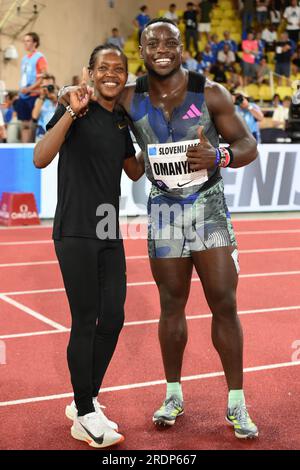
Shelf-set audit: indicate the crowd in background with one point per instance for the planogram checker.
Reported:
(267, 26)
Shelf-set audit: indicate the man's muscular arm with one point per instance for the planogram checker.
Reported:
(230, 125)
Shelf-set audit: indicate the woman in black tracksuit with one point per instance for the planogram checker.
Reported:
(93, 149)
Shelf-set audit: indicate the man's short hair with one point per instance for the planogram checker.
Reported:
(160, 20)
(35, 37)
(12, 94)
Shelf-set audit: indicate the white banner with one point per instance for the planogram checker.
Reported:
(270, 183)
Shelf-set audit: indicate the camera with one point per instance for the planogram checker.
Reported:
(50, 88)
(293, 122)
(239, 99)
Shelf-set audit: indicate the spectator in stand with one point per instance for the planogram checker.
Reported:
(141, 20)
(116, 39)
(227, 40)
(274, 10)
(214, 45)
(75, 80)
(276, 101)
(250, 51)
(261, 47)
(218, 72)
(205, 9)
(292, 15)
(263, 72)
(189, 62)
(190, 20)
(283, 54)
(248, 15)
(269, 35)
(8, 110)
(234, 80)
(33, 66)
(296, 61)
(281, 113)
(203, 65)
(226, 57)
(45, 105)
(250, 112)
(12, 125)
(171, 14)
(262, 11)
(280, 4)
(208, 56)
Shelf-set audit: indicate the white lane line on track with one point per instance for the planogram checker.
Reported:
(152, 283)
(32, 242)
(32, 227)
(30, 263)
(34, 333)
(142, 257)
(208, 375)
(32, 313)
(266, 232)
(238, 232)
(156, 320)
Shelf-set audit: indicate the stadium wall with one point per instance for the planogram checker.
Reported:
(270, 183)
(69, 31)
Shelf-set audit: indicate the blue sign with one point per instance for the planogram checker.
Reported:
(152, 151)
(18, 173)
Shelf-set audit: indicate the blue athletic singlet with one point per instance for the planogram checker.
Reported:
(151, 127)
(28, 71)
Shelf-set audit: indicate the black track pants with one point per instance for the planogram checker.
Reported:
(94, 274)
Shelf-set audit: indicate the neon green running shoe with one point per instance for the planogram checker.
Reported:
(239, 418)
(170, 409)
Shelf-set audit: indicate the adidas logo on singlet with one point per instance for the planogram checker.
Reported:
(193, 112)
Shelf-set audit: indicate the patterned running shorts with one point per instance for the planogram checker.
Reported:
(177, 227)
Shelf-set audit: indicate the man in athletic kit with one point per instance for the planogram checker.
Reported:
(169, 108)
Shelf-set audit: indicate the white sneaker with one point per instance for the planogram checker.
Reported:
(90, 429)
(71, 413)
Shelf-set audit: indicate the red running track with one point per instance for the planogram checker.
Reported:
(33, 326)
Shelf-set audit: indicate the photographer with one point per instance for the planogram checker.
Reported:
(250, 112)
(45, 105)
(12, 124)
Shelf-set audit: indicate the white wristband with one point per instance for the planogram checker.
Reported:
(71, 112)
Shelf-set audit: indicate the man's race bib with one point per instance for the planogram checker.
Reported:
(170, 167)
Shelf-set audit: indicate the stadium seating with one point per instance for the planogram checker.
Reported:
(253, 91)
(265, 93)
(283, 91)
(224, 18)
